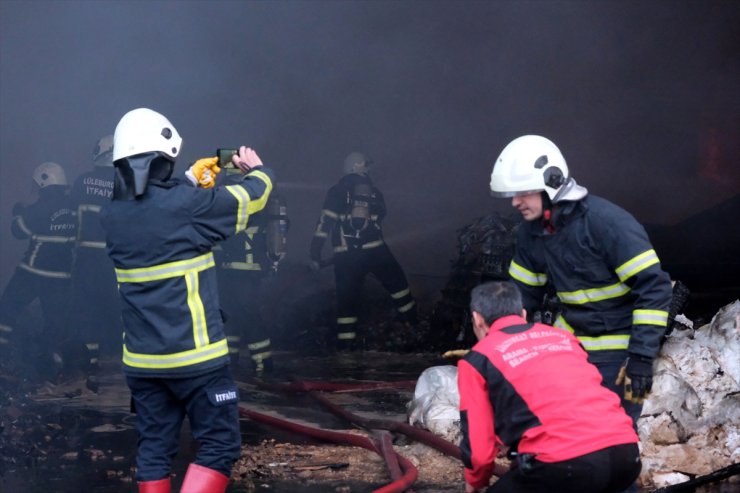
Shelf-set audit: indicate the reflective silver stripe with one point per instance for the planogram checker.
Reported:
(92, 244)
(344, 336)
(259, 345)
(595, 294)
(407, 307)
(166, 271)
(242, 197)
(330, 214)
(650, 317)
(92, 346)
(321, 234)
(240, 266)
(637, 264)
(46, 273)
(6, 328)
(340, 248)
(346, 320)
(400, 294)
(260, 357)
(22, 225)
(527, 276)
(89, 208)
(185, 358)
(4, 341)
(372, 244)
(560, 323)
(233, 339)
(53, 239)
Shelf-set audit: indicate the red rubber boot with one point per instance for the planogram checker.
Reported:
(158, 486)
(201, 479)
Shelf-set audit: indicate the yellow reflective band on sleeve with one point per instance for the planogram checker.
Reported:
(372, 244)
(560, 323)
(53, 239)
(259, 345)
(176, 360)
(256, 204)
(197, 311)
(242, 214)
(330, 214)
(240, 266)
(345, 336)
(166, 271)
(527, 276)
(650, 317)
(600, 343)
(401, 294)
(637, 264)
(321, 234)
(407, 307)
(605, 343)
(346, 320)
(22, 224)
(595, 294)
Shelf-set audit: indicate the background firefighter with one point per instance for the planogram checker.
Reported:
(159, 234)
(244, 261)
(44, 273)
(352, 215)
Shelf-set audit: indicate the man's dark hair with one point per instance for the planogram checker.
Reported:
(494, 300)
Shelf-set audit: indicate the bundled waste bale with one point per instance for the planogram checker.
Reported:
(436, 403)
(690, 425)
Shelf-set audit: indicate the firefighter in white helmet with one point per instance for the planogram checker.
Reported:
(352, 215)
(613, 294)
(44, 272)
(159, 234)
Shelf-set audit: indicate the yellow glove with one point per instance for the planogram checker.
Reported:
(205, 170)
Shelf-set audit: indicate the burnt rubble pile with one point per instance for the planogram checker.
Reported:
(690, 425)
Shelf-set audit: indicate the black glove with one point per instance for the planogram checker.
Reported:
(637, 376)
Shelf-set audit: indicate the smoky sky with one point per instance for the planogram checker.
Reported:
(641, 97)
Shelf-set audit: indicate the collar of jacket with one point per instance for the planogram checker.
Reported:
(506, 321)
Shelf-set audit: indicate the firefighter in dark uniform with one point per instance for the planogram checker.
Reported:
(44, 272)
(352, 214)
(528, 387)
(95, 311)
(244, 261)
(614, 296)
(159, 234)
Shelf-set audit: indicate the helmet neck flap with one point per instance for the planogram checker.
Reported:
(134, 173)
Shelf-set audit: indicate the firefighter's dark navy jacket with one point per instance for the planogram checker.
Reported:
(530, 386)
(161, 245)
(607, 276)
(92, 191)
(49, 225)
(335, 220)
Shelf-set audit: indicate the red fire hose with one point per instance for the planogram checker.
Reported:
(397, 486)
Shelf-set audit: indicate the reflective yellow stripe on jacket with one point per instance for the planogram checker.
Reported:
(204, 350)
(599, 343)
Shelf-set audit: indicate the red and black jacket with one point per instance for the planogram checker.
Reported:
(530, 387)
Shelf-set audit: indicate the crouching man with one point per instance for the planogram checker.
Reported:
(529, 388)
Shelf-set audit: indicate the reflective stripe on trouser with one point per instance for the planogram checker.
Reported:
(346, 328)
(260, 351)
(5, 331)
(234, 342)
(93, 353)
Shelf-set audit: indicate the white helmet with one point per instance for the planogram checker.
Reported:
(529, 164)
(356, 162)
(143, 130)
(103, 152)
(49, 174)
